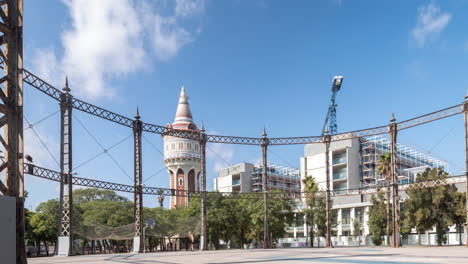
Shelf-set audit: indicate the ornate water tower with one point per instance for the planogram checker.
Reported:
(182, 156)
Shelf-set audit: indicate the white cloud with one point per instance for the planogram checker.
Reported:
(40, 155)
(46, 65)
(431, 21)
(106, 40)
(166, 34)
(221, 154)
(167, 38)
(189, 7)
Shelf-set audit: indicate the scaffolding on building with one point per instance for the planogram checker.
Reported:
(279, 178)
(410, 160)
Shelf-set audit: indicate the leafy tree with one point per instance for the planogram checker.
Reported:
(29, 234)
(384, 169)
(156, 234)
(215, 221)
(432, 206)
(417, 211)
(458, 216)
(243, 211)
(377, 218)
(321, 217)
(280, 215)
(316, 209)
(240, 221)
(81, 196)
(44, 223)
(108, 213)
(356, 227)
(98, 210)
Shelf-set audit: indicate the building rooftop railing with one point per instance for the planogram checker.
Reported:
(383, 144)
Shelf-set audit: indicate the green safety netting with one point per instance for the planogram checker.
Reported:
(177, 227)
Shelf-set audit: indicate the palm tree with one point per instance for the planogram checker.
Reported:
(161, 200)
(311, 189)
(383, 167)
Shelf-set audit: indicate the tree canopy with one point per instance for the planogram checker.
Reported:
(434, 206)
(103, 213)
(377, 218)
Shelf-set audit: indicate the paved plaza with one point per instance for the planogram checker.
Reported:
(367, 255)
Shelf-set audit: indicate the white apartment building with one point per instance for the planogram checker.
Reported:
(353, 164)
(246, 177)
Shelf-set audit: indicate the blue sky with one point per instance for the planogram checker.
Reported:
(245, 65)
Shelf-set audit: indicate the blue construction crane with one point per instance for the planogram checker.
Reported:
(330, 119)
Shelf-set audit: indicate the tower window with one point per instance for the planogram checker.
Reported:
(181, 181)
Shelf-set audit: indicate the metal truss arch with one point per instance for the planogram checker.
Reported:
(83, 106)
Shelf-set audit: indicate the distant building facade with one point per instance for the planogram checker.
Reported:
(182, 156)
(353, 164)
(246, 177)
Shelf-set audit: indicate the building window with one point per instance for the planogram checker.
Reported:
(181, 181)
(339, 158)
(299, 220)
(339, 186)
(345, 217)
(340, 173)
(359, 214)
(334, 219)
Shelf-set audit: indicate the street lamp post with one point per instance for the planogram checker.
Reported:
(150, 222)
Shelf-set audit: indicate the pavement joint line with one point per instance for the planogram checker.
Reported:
(377, 255)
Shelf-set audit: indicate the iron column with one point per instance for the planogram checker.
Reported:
(138, 196)
(394, 178)
(326, 140)
(12, 109)
(202, 141)
(65, 240)
(264, 143)
(465, 112)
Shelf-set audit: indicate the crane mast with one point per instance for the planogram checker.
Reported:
(330, 119)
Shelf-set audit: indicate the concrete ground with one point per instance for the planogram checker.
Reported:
(367, 255)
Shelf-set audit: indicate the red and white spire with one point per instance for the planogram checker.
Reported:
(183, 119)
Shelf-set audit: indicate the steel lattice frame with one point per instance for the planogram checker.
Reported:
(55, 176)
(66, 165)
(138, 180)
(11, 111)
(391, 129)
(55, 93)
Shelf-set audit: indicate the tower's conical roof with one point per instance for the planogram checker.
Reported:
(183, 118)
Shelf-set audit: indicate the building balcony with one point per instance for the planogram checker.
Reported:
(340, 176)
(339, 160)
(181, 155)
